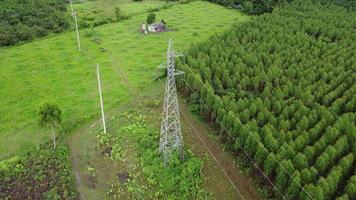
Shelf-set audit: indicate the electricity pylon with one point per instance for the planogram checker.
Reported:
(170, 137)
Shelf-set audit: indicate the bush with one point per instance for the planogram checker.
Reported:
(118, 13)
(151, 18)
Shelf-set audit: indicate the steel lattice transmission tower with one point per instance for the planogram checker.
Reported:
(170, 137)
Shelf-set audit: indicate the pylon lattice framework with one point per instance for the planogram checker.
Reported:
(170, 137)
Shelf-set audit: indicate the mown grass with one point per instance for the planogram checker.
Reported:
(53, 69)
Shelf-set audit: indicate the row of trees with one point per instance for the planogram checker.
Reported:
(27, 19)
(282, 91)
(257, 7)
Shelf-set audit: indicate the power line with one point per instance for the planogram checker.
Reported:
(212, 155)
(209, 151)
(170, 127)
(240, 146)
(228, 132)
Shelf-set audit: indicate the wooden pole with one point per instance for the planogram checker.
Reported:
(101, 97)
(71, 7)
(76, 28)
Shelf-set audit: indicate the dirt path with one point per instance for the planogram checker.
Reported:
(75, 154)
(82, 143)
(83, 152)
(216, 180)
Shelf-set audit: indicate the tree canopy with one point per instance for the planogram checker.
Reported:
(283, 86)
(24, 20)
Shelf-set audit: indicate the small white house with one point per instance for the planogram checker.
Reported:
(157, 27)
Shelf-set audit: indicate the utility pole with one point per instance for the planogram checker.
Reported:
(71, 7)
(76, 28)
(170, 136)
(101, 97)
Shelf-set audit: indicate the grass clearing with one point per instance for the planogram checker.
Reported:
(94, 13)
(52, 68)
(107, 7)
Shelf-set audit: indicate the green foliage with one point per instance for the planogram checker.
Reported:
(350, 188)
(151, 18)
(26, 19)
(257, 7)
(39, 174)
(49, 114)
(116, 152)
(103, 140)
(118, 13)
(92, 171)
(95, 13)
(180, 179)
(290, 104)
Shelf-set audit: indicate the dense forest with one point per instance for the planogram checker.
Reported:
(281, 87)
(261, 6)
(23, 20)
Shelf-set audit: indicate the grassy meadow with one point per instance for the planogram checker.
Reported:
(107, 7)
(95, 13)
(53, 69)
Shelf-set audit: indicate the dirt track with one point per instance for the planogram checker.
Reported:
(216, 181)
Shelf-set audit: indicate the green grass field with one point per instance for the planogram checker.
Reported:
(53, 69)
(98, 12)
(107, 7)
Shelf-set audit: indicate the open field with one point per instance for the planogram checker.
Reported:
(99, 12)
(107, 7)
(53, 69)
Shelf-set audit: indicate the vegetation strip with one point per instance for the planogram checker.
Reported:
(285, 102)
(41, 174)
(207, 148)
(255, 165)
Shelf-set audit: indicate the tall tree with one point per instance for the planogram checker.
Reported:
(50, 116)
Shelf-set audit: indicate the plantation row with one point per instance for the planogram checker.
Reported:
(282, 88)
(257, 7)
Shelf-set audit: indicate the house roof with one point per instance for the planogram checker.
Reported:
(158, 25)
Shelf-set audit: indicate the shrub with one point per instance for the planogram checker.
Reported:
(151, 18)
